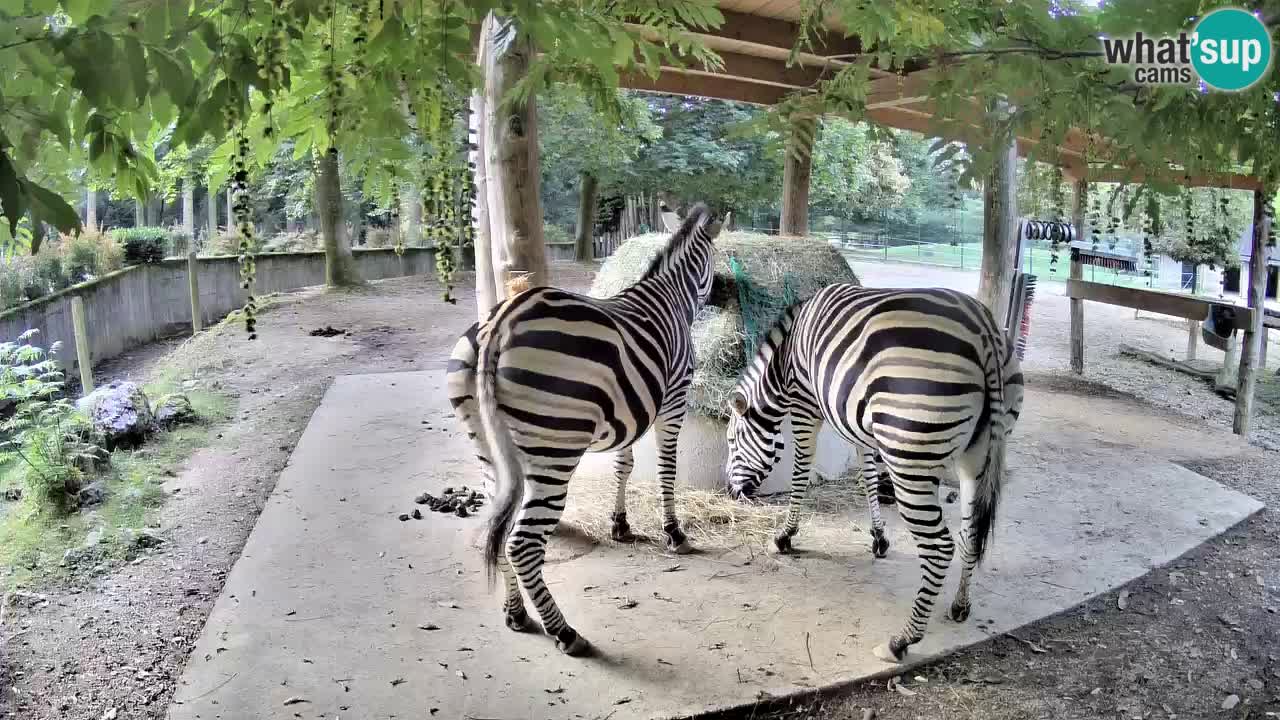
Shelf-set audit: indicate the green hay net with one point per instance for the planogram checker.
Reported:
(760, 309)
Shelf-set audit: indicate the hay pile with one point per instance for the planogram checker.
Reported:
(770, 264)
(716, 522)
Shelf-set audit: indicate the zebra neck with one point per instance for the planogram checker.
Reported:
(674, 277)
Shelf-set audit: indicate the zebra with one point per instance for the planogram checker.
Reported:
(925, 378)
(551, 375)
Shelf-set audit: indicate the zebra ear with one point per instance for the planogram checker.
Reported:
(739, 402)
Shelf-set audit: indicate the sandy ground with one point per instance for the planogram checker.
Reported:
(1191, 635)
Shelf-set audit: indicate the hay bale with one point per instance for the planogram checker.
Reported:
(804, 265)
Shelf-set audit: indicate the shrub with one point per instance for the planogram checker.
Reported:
(90, 254)
(45, 434)
(47, 269)
(379, 238)
(142, 244)
(554, 234)
(304, 241)
(18, 283)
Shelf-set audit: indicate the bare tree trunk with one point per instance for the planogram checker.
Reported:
(512, 129)
(139, 212)
(411, 214)
(586, 215)
(212, 211)
(339, 266)
(91, 209)
(1250, 353)
(999, 231)
(188, 213)
(798, 165)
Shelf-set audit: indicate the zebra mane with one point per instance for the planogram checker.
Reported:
(768, 345)
(699, 215)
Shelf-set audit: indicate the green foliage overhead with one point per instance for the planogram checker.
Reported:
(1044, 57)
(103, 79)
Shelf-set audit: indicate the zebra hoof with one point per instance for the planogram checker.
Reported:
(520, 621)
(621, 530)
(677, 541)
(783, 543)
(959, 612)
(879, 544)
(684, 548)
(571, 643)
(887, 653)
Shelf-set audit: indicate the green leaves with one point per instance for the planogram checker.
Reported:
(13, 200)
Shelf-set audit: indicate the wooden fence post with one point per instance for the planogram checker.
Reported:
(193, 280)
(1077, 273)
(1193, 333)
(82, 344)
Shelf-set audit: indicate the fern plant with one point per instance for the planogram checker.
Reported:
(47, 437)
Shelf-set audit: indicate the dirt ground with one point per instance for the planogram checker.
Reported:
(1190, 637)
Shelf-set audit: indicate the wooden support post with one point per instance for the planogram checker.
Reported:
(139, 212)
(796, 169)
(193, 281)
(511, 143)
(91, 209)
(486, 294)
(83, 357)
(1000, 224)
(1250, 353)
(1077, 273)
(1193, 336)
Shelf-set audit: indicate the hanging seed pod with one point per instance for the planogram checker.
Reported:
(244, 229)
(359, 42)
(1094, 202)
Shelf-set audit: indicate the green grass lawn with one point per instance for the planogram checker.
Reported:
(968, 256)
(33, 538)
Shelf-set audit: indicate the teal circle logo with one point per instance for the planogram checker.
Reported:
(1231, 49)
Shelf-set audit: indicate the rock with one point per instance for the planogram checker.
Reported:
(1231, 701)
(19, 599)
(13, 494)
(141, 538)
(174, 409)
(120, 413)
(93, 538)
(92, 494)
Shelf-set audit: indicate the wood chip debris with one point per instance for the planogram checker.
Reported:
(295, 701)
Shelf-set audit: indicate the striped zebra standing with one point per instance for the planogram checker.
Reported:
(552, 375)
(923, 376)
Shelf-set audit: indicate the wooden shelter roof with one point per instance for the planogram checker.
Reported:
(757, 37)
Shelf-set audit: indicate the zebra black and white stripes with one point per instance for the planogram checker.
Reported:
(925, 378)
(552, 375)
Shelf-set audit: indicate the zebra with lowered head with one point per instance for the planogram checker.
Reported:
(552, 375)
(923, 376)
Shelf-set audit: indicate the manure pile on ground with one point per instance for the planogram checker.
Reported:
(773, 268)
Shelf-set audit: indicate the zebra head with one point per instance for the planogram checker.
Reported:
(755, 444)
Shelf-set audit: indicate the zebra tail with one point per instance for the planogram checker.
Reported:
(507, 467)
(991, 480)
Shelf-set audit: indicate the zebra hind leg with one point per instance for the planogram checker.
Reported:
(968, 465)
(924, 520)
(623, 462)
(546, 487)
(871, 485)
